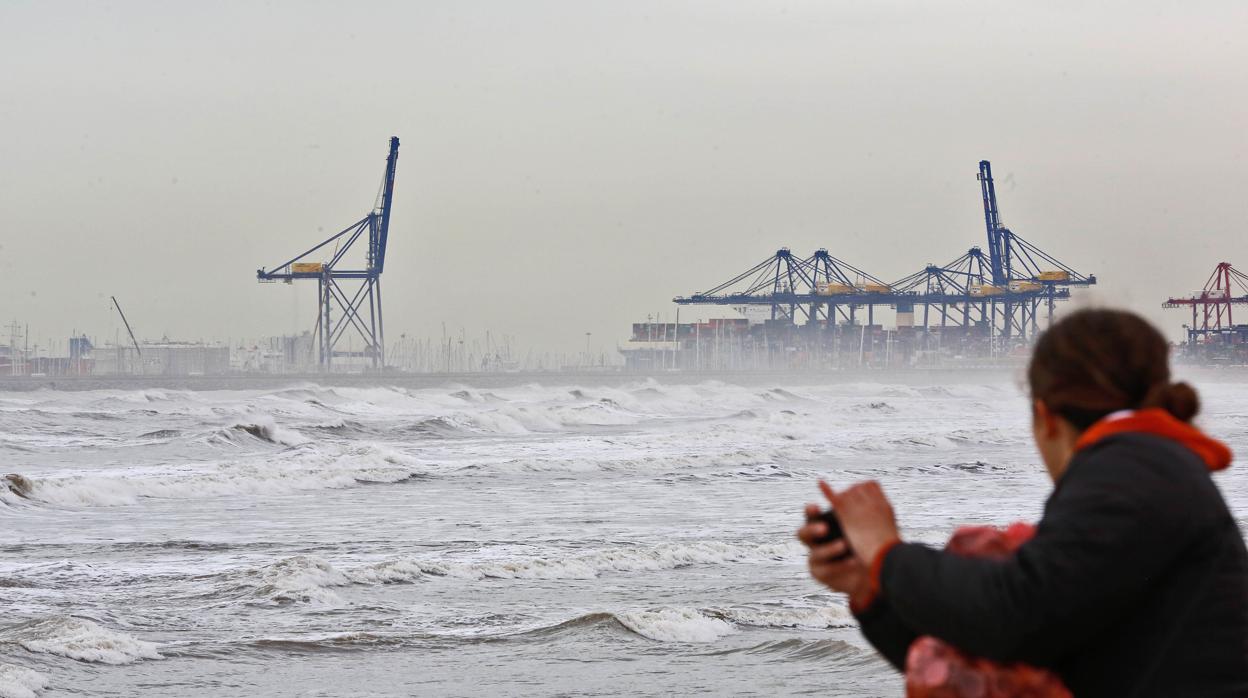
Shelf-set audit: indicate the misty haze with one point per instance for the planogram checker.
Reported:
(388, 349)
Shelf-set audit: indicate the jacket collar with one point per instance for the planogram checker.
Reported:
(1158, 422)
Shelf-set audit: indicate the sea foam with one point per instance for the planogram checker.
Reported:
(78, 638)
(579, 566)
(302, 579)
(316, 470)
(675, 625)
(20, 682)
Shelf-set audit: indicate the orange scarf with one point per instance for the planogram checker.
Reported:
(1159, 422)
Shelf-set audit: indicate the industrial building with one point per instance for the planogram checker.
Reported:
(164, 358)
(285, 354)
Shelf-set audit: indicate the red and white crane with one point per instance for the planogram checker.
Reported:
(1211, 306)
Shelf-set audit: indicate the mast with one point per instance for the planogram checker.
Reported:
(992, 221)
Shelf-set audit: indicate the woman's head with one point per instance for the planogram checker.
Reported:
(1093, 363)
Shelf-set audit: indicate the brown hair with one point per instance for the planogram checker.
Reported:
(1095, 362)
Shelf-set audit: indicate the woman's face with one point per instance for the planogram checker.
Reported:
(1055, 439)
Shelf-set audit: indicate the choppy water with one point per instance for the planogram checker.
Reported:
(524, 540)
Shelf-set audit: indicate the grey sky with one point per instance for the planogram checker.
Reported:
(570, 166)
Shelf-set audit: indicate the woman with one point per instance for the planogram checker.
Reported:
(1136, 581)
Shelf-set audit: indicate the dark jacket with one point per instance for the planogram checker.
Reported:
(1135, 584)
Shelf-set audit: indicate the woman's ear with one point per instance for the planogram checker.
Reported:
(1046, 420)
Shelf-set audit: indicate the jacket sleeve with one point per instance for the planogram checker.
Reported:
(886, 632)
(1117, 520)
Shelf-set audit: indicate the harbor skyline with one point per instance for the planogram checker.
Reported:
(578, 167)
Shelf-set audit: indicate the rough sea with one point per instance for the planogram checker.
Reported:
(525, 539)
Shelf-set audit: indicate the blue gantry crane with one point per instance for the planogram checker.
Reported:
(961, 293)
(1013, 259)
(812, 288)
(1001, 290)
(348, 286)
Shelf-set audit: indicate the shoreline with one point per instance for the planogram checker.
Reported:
(952, 374)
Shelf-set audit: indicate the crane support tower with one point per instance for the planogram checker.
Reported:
(1211, 306)
(348, 286)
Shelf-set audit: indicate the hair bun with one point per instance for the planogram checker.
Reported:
(1179, 399)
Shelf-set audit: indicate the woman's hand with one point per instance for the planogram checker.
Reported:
(866, 517)
(848, 575)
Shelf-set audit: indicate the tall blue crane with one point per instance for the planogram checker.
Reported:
(998, 248)
(1017, 264)
(1010, 257)
(348, 292)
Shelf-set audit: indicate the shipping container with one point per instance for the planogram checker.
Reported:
(307, 268)
(1054, 276)
(1025, 286)
(833, 289)
(979, 290)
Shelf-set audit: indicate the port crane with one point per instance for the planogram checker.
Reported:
(348, 288)
(961, 293)
(1012, 258)
(800, 289)
(1003, 289)
(1211, 306)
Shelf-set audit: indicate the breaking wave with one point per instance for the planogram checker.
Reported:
(583, 566)
(261, 428)
(668, 624)
(675, 625)
(632, 462)
(321, 470)
(842, 653)
(20, 682)
(701, 625)
(80, 639)
(309, 579)
(821, 617)
(299, 579)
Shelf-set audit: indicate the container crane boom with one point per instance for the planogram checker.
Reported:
(127, 324)
(998, 250)
(387, 197)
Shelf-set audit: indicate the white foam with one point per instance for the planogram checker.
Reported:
(402, 570)
(265, 428)
(300, 579)
(824, 617)
(584, 566)
(20, 682)
(628, 460)
(315, 470)
(675, 625)
(80, 639)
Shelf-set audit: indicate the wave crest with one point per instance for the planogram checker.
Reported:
(584, 566)
(675, 625)
(20, 682)
(300, 579)
(318, 470)
(78, 638)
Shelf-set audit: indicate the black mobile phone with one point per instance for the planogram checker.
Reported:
(835, 533)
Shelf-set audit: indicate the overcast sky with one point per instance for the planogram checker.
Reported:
(569, 167)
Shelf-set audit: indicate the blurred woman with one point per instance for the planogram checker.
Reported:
(1136, 581)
